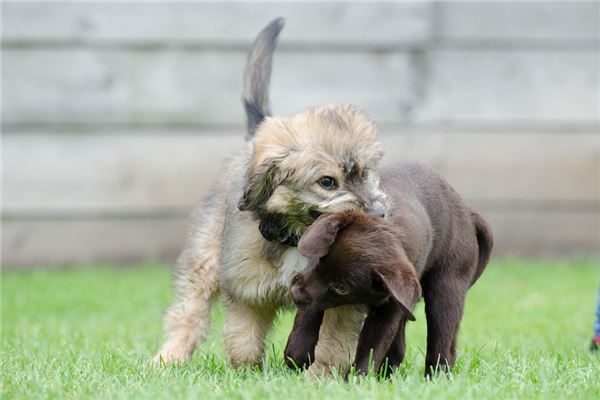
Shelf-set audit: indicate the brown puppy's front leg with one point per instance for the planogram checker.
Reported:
(397, 350)
(378, 333)
(300, 348)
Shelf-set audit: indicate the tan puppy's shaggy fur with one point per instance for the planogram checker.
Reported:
(274, 187)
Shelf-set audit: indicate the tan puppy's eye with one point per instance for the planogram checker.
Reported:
(328, 183)
(340, 288)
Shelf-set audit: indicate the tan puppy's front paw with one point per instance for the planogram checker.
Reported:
(170, 355)
(319, 370)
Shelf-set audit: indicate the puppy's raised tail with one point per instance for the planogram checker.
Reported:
(485, 241)
(258, 75)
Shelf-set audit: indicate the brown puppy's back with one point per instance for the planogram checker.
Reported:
(434, 217)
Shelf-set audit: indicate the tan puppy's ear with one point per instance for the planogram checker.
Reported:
(399, 281)
(318, 238)
(260, 184)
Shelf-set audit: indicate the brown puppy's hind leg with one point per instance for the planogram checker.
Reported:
(444, 295)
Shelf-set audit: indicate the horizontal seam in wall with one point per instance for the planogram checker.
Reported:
(322, 46)
(585, 127)
(484, 205)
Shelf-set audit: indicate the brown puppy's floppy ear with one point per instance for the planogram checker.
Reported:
(260, 184)
(399, 281)
(321, 234)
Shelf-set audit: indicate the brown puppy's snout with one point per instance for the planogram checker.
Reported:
(297, 279)
(298, 291)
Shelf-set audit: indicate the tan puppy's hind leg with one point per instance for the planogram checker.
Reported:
(187, 321)
(245, 331)
(338, 338)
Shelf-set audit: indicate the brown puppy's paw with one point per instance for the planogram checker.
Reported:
(296, 360)
(432, 371)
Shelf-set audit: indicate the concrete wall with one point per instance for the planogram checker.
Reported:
(115, 116)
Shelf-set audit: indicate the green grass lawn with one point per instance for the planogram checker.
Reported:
(82, 333)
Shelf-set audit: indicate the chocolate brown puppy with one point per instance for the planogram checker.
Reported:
(430, 244)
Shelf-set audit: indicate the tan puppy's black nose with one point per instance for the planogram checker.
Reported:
(376, 212)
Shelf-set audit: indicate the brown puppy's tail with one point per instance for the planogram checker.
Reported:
(485, 241)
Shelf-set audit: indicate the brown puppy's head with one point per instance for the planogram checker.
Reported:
(323, 160)
(355, 259)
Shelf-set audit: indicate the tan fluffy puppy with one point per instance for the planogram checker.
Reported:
(241, 240)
